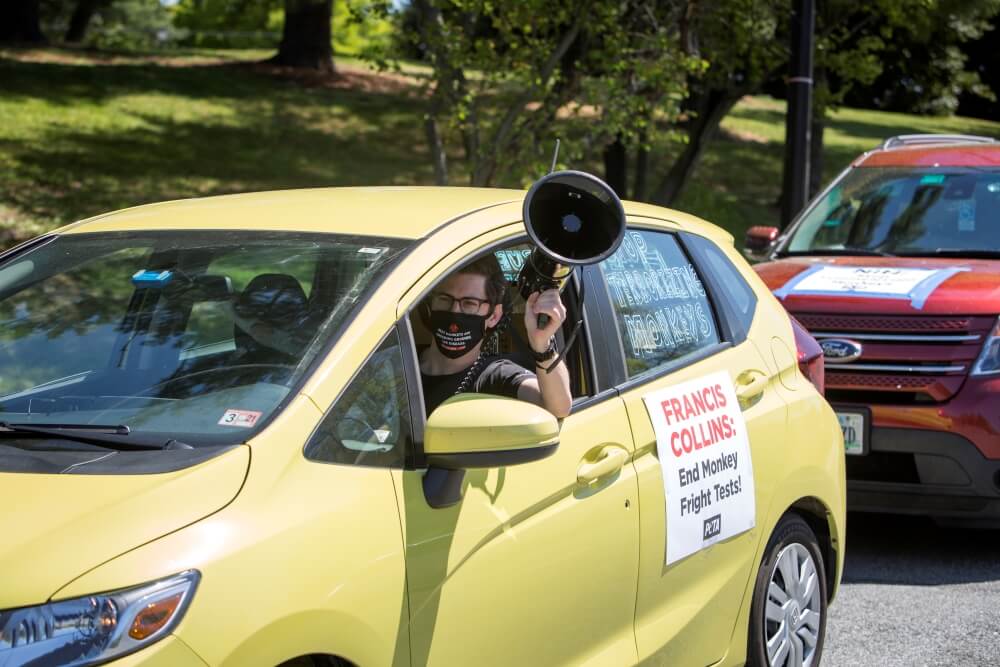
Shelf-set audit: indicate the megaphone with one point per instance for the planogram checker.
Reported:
(573, 218)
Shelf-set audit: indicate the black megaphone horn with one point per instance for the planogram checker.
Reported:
(573, 218)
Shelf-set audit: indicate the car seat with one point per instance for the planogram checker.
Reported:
(276, 299)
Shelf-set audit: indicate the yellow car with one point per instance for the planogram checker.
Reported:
(214, 449)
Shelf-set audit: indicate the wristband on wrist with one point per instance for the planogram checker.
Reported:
(547, 355)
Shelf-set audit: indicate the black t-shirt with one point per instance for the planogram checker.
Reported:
(498, 376)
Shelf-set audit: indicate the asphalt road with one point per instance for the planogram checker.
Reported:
(915, 594)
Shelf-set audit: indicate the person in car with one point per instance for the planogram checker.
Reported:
(462, 312)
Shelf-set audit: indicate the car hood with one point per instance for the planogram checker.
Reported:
(929, 286)
(57, 527)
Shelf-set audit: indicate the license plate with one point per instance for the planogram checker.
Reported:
(854, 428)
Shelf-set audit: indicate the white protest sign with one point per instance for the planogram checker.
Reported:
(708, 485)
(864, 280)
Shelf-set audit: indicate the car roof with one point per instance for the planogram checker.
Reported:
(955, 154)
(411, 212)
(403, 212)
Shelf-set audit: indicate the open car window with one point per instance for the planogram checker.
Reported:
(511, 341)
(195, 334)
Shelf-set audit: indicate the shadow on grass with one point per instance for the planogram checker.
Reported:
(260, 133)
(877, 126)
(67, 84)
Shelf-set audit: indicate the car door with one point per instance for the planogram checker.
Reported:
(536, 563)
(703, 488)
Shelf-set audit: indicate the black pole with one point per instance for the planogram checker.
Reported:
(799, 117)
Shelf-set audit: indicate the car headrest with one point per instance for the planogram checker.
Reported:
(271, 297)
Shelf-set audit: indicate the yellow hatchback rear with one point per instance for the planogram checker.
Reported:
(214, 448)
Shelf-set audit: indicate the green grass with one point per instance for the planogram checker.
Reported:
(85, 133)
(80, 138)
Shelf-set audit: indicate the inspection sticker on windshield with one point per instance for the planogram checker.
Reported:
(701, 440)
(240, 418)
(885, 282)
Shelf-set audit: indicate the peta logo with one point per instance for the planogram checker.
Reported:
(711, 527)
(840, 350)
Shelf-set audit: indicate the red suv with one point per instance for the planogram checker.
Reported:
(895, 270)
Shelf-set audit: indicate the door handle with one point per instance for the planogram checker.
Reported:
(610, 460)
(750, 385)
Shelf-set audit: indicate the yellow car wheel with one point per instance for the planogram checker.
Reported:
(788, 615)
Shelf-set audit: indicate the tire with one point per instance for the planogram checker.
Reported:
(788, 617)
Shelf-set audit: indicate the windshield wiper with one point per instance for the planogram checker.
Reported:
(115, 437)
(953, 252)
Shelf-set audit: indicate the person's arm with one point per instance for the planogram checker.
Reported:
(547, 389)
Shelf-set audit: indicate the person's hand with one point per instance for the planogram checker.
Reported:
(550, 303)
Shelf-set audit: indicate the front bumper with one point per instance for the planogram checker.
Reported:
(925, 472)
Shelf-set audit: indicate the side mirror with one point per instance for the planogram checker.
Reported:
(481, 431)
(758, 242)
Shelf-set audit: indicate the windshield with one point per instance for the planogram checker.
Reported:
(198, 336)
(904, 211)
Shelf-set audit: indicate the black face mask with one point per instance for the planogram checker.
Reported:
(456, 333)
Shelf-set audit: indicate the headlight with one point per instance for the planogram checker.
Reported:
(97, 628)
(988, 362)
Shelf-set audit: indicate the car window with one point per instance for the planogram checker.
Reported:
(210, 326)
(728, 285)
(197, 334)
(370, 422)
(904, 210)
(75, 314)
(511, 339)
(661, 308)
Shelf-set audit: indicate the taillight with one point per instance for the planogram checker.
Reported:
(810, 356)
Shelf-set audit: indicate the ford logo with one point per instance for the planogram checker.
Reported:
(840, 350)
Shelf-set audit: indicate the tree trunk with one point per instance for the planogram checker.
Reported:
(80, 20)
(816, 154)
(712, 107)
(616, 167)
(19, 21)
(821, 95)
(449, 88)
(305, 38)
(641, 170)
(438, 155)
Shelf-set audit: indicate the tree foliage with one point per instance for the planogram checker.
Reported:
(505, 76)
(741, 42)
(921, 64)
(107, 24)
(19, 21)
(982, 59)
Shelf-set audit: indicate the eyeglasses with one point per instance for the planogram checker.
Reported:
(469, 305)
